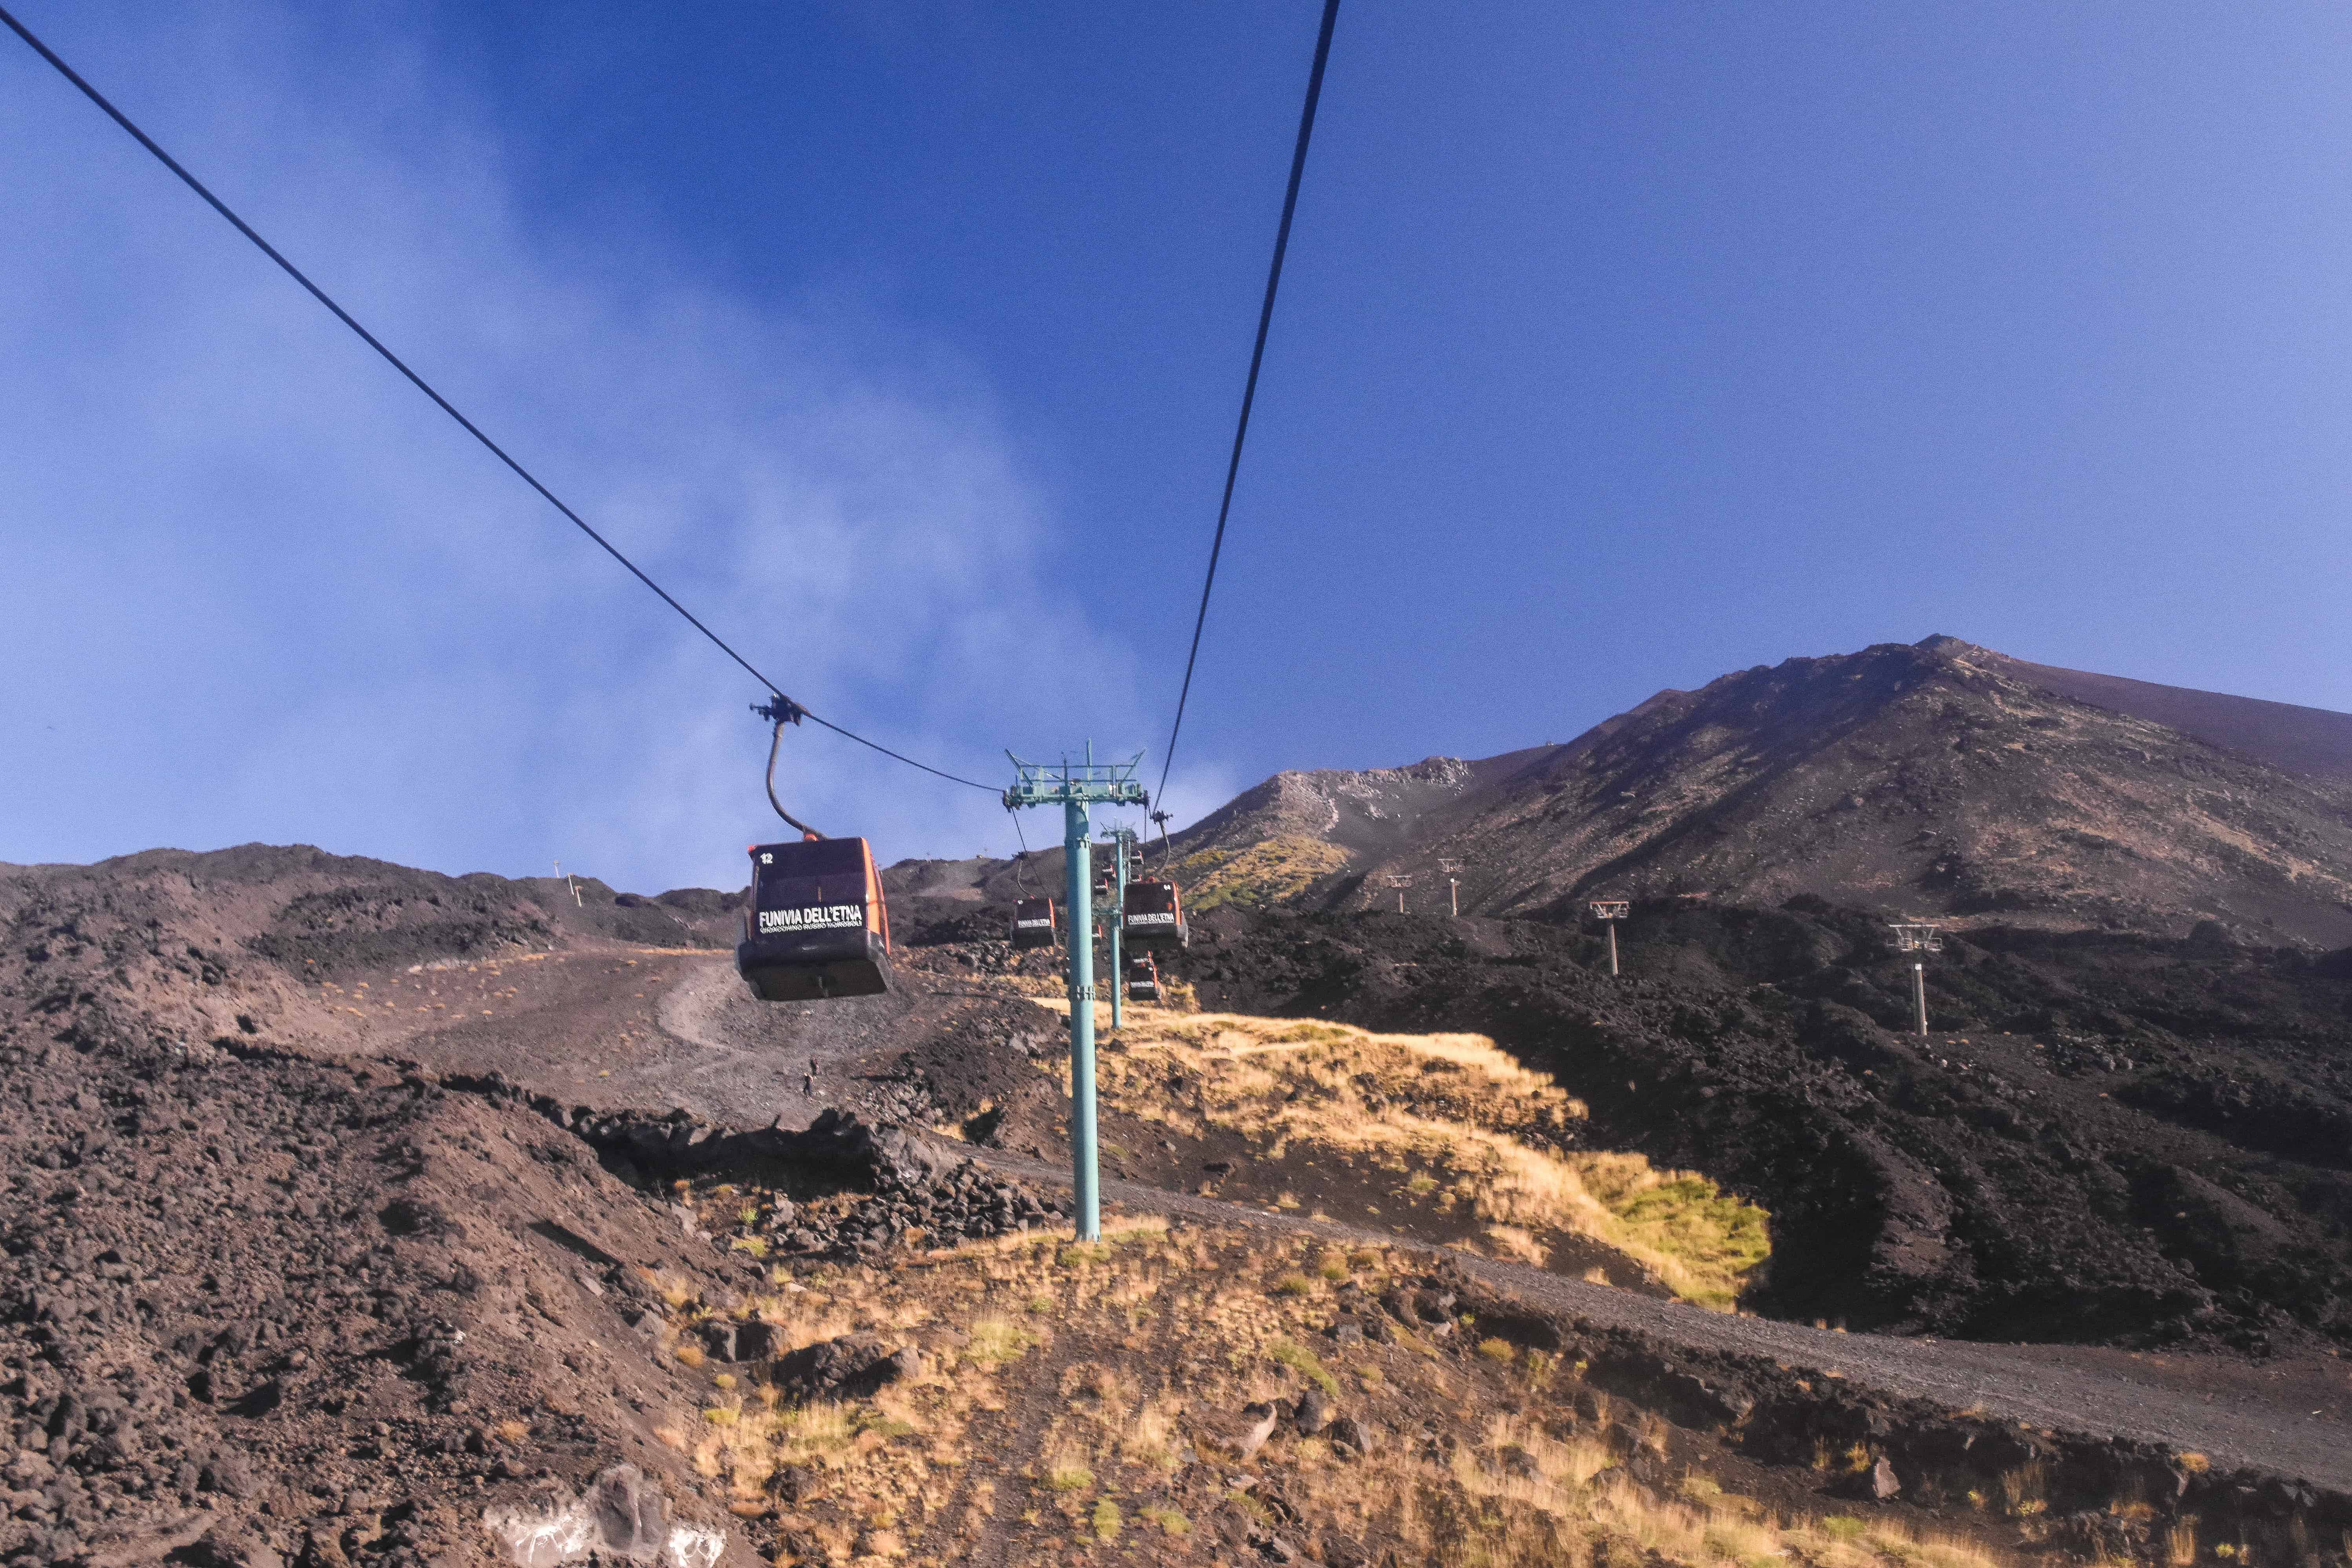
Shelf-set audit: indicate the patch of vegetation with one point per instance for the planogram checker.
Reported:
(996, 1340)
(1709, 1242)
(1517, 1484)
(1171, 1521)
(1450, 1115)
(1271, 871)
(1305, 1363)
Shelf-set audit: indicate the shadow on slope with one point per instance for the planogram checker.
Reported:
(2107, 1139)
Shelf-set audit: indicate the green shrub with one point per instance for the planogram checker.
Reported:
(1305, 1362)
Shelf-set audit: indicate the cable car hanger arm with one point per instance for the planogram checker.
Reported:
(783, 710)
(1019, 873)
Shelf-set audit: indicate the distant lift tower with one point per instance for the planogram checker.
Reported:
(1917, 936)
(1399, 884)
(1122, 848)
(1075, 786)
(1453, 869)
(1609, 911)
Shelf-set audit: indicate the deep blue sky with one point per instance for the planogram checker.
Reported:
(1620, 346)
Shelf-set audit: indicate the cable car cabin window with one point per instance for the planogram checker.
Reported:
(1033, 924)
(817, 925)
(1153, 916)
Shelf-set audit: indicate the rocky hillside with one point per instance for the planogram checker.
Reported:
(2310, 741)
(274, 1292)
(1937, 779)
(2114, 1138)
(298, 908)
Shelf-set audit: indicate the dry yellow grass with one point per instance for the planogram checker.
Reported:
(1527, 1497)
(1434, 1114)
(1033, 1434)
(1267, 872)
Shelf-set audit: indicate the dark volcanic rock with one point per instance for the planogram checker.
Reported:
(2108, 1138)
(239, 1285)
(916, 1183)
(851, 1367)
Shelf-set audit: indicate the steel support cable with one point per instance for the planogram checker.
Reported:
(1249, 388)
(894, 756)
(426, 387)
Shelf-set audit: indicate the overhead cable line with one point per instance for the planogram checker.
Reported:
(1249, 389)
(445, 406)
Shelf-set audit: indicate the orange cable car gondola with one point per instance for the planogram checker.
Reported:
(1034, 923)
(1142, 979)
(816, 925)
(1153, 916)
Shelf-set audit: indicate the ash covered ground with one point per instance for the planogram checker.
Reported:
(299, 1266)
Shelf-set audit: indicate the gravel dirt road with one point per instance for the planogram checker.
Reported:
(638, 1026)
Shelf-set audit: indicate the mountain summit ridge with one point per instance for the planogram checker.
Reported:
(1938, 778)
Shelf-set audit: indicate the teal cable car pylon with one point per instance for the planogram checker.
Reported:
(1076, 788)
(1122, 844)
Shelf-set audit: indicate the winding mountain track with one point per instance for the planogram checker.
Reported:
(616, 1026)
(722, 1055)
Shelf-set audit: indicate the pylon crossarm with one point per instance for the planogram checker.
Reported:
(1059, 784)
(1917, 936)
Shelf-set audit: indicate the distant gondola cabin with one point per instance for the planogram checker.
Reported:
(1033, 924)
(1142, 980)
(1153, 916)
(817, 925)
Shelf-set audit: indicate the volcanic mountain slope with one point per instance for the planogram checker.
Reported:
(2310, 741)
(2108, 1138)
(1291, 840)
(269, 1294)
(297, 905)
(1936, 779)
